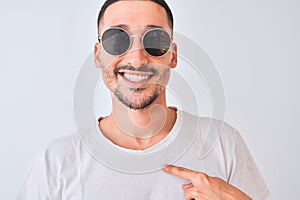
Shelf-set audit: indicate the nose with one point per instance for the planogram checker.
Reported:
(136, 56)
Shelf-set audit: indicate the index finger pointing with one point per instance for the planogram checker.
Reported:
(181, 172)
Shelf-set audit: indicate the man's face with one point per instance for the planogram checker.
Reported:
(135, 78)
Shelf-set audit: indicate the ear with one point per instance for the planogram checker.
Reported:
(97, 58)
(174, 55)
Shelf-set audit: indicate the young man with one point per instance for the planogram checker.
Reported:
(136, 52)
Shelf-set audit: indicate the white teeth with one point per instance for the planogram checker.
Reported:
(135, 78)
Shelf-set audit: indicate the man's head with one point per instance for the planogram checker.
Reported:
(136, 75)
(162, 3)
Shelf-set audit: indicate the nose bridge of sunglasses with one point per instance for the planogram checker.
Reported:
(136, 42)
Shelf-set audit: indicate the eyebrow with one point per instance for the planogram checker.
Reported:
(124, 26)
(154, 26)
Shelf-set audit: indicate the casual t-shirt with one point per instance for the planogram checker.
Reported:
(88, 166)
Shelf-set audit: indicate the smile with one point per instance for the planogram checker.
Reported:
(136, 78)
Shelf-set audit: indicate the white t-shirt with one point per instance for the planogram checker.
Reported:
(87, 166)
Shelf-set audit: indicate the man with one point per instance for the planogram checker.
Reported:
(136, 52)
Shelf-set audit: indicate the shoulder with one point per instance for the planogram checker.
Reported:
(212, 134)
(63, 144)
(62, 148)
(207, 126)
(51, 168)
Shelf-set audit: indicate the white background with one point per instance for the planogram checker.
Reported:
(255, 46)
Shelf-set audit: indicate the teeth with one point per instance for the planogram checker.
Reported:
(135, 78)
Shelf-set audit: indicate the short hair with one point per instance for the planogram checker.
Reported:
(162, 3)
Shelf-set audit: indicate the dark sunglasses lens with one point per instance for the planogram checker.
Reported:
(157, 42)
(115, 41)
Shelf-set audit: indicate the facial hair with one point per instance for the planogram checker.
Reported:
(147, 95)
(142, 103)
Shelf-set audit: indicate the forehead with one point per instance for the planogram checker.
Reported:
(134, 15)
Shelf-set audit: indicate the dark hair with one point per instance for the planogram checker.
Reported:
(162, 3)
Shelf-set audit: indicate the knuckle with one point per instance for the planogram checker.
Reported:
(181, 171)
(187, 195)
(195, 192)
(202, 176)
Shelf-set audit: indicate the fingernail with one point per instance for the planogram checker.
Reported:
(164, 166)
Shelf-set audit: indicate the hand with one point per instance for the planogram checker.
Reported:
(204, 187)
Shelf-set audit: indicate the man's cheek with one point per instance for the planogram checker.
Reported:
(109, 79)
(109, 60)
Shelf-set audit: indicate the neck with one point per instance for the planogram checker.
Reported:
(138, 129)
(142, 123)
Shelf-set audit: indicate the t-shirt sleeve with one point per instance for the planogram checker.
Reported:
(244, 173)
(45, 179)
(35, 186)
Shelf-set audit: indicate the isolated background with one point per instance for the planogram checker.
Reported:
(255, 46)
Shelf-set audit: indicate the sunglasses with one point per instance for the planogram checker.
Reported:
(116, 41)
